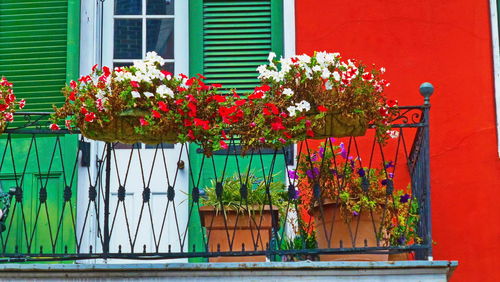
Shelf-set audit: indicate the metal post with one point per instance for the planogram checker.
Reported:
(106, 200)
(426, 89)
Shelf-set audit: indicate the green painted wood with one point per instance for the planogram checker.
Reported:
(228, 41)
(39, 53)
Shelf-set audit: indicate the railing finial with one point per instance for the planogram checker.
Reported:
(426, 90)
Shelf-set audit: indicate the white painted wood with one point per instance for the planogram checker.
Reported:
(496, 63)
(90, 55)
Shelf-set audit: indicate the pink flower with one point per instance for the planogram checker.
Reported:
(143, 122)
(223, 144)
(282, 140)
(262, 140)
(68, 123)
(54, 127)
(72, 84)
(134, 84)
(22, 103)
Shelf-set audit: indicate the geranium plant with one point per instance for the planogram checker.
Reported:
(143, 103)
(8, 103)
(325, 95)
(330, 176)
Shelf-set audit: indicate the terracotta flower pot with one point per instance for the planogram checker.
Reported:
(399, 256)
(253, 230)
(121, 129)
(342, 232)
(341, 126)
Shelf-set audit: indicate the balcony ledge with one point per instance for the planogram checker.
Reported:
(270, 271)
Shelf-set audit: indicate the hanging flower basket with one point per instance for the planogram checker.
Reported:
(337, 125)
(122, 129)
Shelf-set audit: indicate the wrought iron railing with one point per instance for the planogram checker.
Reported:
(65, 198)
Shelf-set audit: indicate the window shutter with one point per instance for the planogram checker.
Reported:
(39, 48)
(232, 38)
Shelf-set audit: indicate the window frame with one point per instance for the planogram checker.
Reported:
(495, 23)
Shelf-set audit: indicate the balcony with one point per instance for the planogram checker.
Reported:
(69, 199)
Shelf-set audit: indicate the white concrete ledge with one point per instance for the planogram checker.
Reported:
(270, 271)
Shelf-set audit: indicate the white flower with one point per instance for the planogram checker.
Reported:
(382, 69)
(303, 105)
(100, 94)
(336, 76)
(148, 94)
(316, 68)
(291, 110)
(329, 85)
(153, 57)
(325, 74)
(288, 92)
(271, 57)
(164, 90)
(136, 94)
(393, 133)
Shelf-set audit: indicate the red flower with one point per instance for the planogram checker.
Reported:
(383, 111)
(217, 85)
(256, 95)
(22, 103)
(191, 134)
(72, 96)
(192, 109)
(3, 107)
(273, 108)
(287, 134)
(310, 133)
(54, 127)
(166, 73)
(219, 98)
(367, 76)
(156, 114)
(134, 84)
(8, 117)
(191, 98)
(294, 60)
(94, 67)
(106, 71)
(181, 89)
(240, 102)
(201, 123)
(200, 76)
(264, 88)
(276, 126)
(183, 75)
(143, 122)
(223, 144)
(187, 123)
(89, 117)
(83, 110)
(190, 81)
(223, 133)
(322, 109)
(85, 79)
(162, 106)
(72, 84)
(392, 103)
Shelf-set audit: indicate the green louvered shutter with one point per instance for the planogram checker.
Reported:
(228, 41)
(39, 48)
(232, 38)
(39, 53)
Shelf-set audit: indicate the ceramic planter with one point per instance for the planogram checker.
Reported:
(253, 229)
(366, 230)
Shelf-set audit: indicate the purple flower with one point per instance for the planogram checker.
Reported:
(355, 213)
(389, 164)
(384, 182)
(361, 172)
(314, 157)
(401, 240)
(404, 198)
(313, 173)
(321, 152)
(343, 152)
(333, 171)
(293, 174)
(391, 175)
(332, 140)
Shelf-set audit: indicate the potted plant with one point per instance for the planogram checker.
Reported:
(8, 103)
(325, 96)
(237, 215)
(352, 206)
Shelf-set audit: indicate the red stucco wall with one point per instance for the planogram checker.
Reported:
(447, 43)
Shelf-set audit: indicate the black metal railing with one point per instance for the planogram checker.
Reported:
(65, 198)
